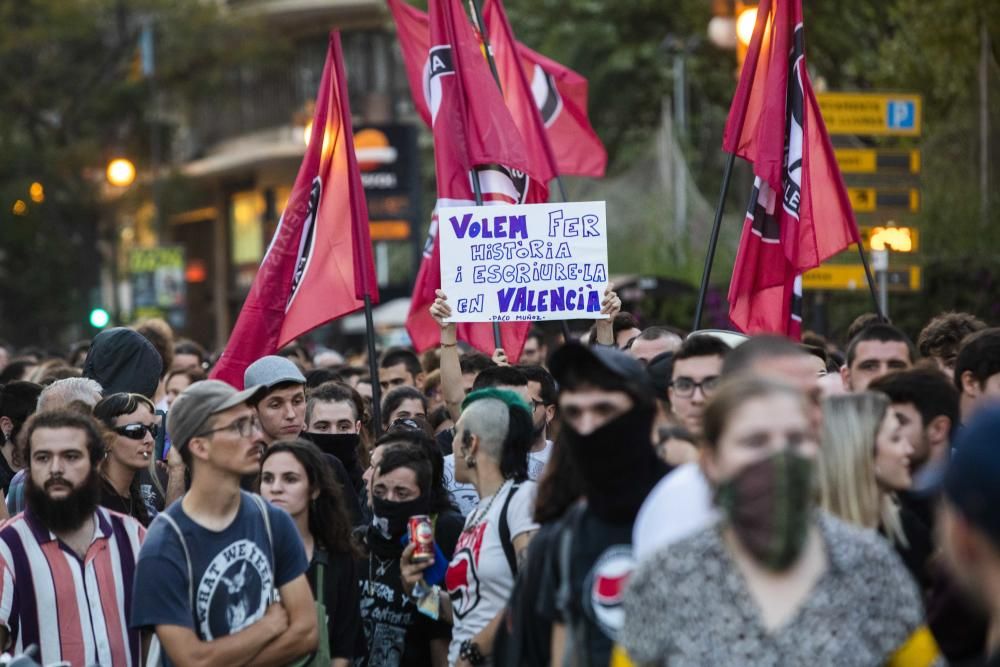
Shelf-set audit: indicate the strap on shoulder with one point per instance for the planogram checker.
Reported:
(575, 652)
(164, 516)
(505, 541)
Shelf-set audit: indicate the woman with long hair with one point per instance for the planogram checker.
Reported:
(296, 477)
(130, 480)
(865, 462)
(776, 580)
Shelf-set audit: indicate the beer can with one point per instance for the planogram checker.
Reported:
(422, 537)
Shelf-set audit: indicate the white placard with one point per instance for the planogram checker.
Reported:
(524, 263)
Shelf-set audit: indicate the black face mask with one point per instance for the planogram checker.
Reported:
(391, 518)
(617, 464)
(342, 445)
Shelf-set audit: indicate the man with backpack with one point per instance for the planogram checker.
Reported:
(221, 576)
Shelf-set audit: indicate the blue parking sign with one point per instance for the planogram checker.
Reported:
(901, 114)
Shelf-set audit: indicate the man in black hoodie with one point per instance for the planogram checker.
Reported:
(607, 405)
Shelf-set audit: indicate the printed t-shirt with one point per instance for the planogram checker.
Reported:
(395, 633)
(537, 461)
(600, 565)
(234, 571)
(479, 578)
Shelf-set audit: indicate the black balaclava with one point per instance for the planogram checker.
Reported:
(343, 447)
(617, 463)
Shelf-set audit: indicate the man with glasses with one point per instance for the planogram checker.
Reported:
(542, 394)
(214, 563)
(695, 375)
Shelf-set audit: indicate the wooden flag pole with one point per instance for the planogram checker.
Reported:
(373, 367)
(713, 241)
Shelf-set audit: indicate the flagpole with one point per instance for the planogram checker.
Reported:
(871, 283)
(373, 367)
(477, 14)
(713, 241)
(478, 192)
(476, 189)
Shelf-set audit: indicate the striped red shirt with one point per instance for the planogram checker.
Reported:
(74, 610)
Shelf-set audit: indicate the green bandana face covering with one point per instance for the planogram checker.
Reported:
(769, 505)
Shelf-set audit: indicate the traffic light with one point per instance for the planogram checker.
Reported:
(99, 318)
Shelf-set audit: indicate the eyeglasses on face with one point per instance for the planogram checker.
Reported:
(137, 431)
(684, 387)
(245, 426)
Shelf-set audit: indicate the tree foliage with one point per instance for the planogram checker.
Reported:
(71, 95)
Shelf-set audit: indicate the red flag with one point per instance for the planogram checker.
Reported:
(319, 264)
(560, 94)
(472, 130)
(561, 97)
(799, 213)
(517, 91)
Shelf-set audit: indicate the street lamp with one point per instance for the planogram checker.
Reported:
(745, 23)
(121, 172)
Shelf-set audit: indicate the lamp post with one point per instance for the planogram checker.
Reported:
(120, 173)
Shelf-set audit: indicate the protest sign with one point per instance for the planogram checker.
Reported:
(524, 263)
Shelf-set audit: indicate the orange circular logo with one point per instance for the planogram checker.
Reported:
(373, 149)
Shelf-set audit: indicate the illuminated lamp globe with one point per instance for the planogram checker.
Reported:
(121, 172)
(722, 32)
(745, 23)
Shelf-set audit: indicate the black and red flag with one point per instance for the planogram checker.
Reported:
(319, 265)
(559, 93)
(799, 213)
(473, 130)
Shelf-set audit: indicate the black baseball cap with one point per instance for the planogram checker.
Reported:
(573, 359)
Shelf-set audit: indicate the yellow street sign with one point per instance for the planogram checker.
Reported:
(896, 114)
(852, 277)
(870, 161)
(895, 239)
(869, 200)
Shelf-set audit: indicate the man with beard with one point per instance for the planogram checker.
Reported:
(68, 554)
(542, 396)
(606, 403)
(216, 560)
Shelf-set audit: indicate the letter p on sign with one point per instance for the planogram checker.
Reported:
(902, 114)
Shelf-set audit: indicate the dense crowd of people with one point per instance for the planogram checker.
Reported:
(631, 496)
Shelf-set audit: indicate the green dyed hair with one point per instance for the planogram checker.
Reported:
(510, 398)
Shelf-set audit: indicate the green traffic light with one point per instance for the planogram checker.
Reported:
(99, 318)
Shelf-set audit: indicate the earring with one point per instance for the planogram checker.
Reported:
(470, 462)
